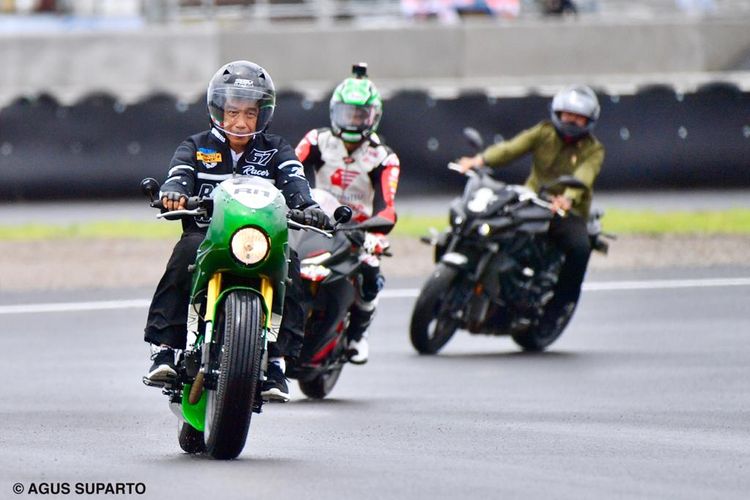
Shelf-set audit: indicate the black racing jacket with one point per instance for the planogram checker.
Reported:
(204, 160)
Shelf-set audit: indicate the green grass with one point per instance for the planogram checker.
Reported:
(95, 230)
(733, 221)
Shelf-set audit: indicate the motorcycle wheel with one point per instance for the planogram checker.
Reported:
(191, 439)
(322, 385)
(239, 332)
(538, 338)
(430, 327)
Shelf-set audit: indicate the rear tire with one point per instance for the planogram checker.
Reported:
(322, 385)
(239, 331)
(431, 327)
(538, 338)
(191, 439)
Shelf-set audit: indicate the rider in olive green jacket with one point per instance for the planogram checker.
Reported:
(553, 157)
(562, 146)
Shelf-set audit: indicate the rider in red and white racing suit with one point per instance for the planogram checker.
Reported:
(350, 161)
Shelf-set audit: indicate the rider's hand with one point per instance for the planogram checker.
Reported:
(560, 202)
(470, 162)
(173, 201)
(375, 243)
(314, 216)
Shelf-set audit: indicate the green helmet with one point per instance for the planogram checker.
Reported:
(356, 107)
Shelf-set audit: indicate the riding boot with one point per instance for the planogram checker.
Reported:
(359, 321)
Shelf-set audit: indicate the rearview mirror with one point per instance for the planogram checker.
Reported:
(475, 138)
(343, 214)
(150, 188)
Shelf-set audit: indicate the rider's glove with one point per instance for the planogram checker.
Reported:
(173, 195)
(173, 200)
(314, 216)
(375, 243)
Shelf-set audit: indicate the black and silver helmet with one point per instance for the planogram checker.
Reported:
(242, 80)
(578, 99)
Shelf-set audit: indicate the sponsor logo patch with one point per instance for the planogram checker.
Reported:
(343, 178)
(243, 83)
(251, 170)
(261, 157)
(209, 157)
(297, 171)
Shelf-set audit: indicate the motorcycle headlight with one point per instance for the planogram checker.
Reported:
(250, 245)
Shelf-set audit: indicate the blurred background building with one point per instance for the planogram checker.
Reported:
(100, 92)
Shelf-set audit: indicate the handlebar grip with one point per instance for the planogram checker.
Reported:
(296, 215)
(192, 203)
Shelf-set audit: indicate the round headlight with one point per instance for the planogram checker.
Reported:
(250, 245)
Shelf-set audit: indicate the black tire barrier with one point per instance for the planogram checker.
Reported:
(100, 148)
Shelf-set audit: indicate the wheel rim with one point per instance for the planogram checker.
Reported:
(330, 379)
(440, 329)
(442, 326)
(210, 412)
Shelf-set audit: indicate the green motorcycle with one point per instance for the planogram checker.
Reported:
(237, 295)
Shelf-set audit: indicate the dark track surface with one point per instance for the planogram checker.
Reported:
(645, 396)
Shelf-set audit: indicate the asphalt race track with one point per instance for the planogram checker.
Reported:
(647, 395)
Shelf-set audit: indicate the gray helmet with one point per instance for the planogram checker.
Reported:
(242, 80)
(578, 99)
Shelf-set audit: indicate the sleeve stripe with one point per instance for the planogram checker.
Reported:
(179, 167)
(175, 178)
(214, 177)
(290, 162)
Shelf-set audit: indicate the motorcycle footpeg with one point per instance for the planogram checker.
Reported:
(159, 383)
(151, 383)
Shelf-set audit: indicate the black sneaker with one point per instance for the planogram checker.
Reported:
(163, 369)
(274, 387)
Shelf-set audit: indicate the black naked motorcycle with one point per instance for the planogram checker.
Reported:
(496, 268)
(329, 268)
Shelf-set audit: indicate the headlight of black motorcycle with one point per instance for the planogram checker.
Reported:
(250, 245)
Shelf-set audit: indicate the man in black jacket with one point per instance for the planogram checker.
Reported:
(241, 100)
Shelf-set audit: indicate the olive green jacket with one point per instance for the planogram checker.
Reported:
(553, 157)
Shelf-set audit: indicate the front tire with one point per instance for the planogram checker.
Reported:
(432, 325)
(239, 333)
(320, 386)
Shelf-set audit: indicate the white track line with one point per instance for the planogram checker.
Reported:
(74, 306)
(400, 293)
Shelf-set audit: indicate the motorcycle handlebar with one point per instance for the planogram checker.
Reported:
(190, 204)
(195, 206)
(297, 217)
(536, 199)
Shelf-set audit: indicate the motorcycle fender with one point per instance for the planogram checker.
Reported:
(455, 259)
(266, 299)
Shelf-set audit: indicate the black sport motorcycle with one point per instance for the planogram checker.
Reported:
(329, 268)
(496, 268)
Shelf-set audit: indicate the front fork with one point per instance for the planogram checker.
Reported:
(194, 393)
